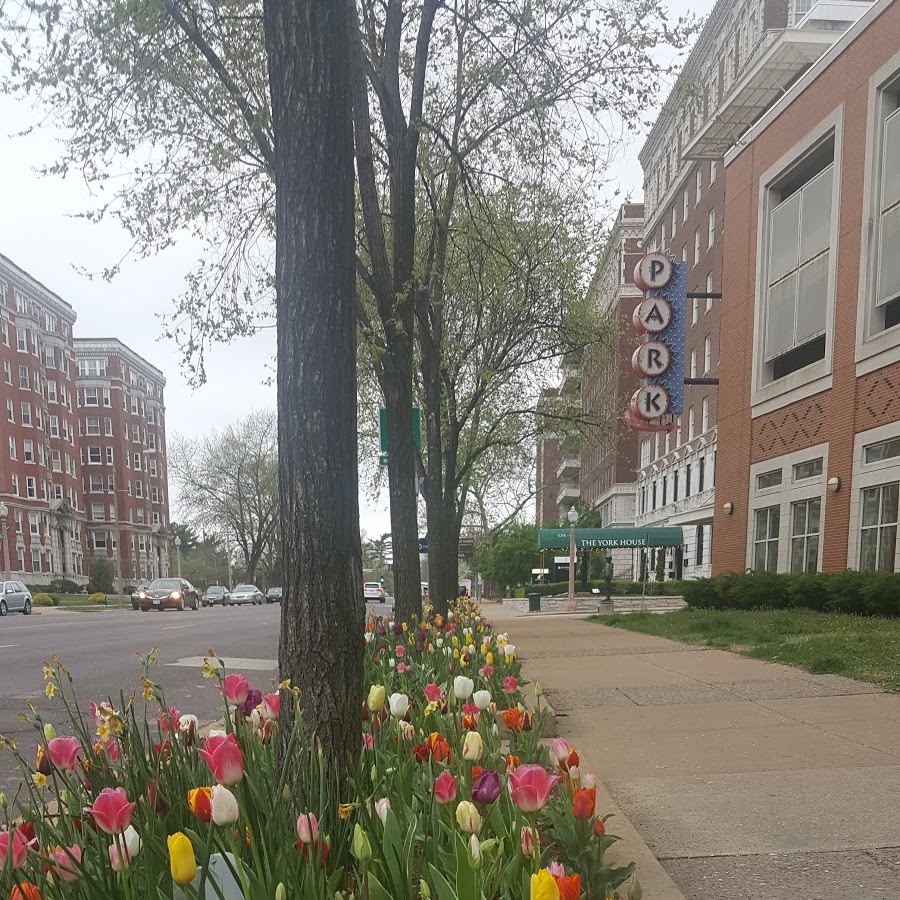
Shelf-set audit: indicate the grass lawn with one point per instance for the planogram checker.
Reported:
(823, 643)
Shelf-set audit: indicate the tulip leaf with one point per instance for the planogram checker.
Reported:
(442, 886)
(377, 890)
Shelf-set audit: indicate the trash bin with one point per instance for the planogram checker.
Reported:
(534, 601)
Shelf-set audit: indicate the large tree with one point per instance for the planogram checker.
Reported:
(228, 485)
(307, 44)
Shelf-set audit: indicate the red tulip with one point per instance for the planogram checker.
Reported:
(236, 688)
(13, 846)
(420, 752)
(530, 786)
(198, 801)
(63, 753)
(111, 810)
(445, 788)
(599, 827)
(569, 886)
(583, 802)
(432, 693)
(438, 747)
(224, 758)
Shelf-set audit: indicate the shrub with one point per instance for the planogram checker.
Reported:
(808, 590)
(101, 576)
(42, 599)
(98, 598)
(617, 588)
(881, 594)
(702, 593)
(844, 590)
(63, 586)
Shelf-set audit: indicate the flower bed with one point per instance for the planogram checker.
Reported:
(454, 796)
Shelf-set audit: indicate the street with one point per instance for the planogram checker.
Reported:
(99, 649)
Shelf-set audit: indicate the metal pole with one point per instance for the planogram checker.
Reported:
(571, 568)
(178, 557)
(3, 543)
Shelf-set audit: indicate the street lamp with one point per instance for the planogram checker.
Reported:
(178, 553)
(572, 516)
(4, 512)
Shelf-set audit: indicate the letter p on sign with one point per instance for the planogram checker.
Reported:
(653, 272)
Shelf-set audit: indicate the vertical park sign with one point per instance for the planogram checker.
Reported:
(659, 360)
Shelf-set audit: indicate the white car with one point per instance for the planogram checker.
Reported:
(372, 590)
(246, 593)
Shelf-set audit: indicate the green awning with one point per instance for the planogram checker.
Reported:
(597, 538)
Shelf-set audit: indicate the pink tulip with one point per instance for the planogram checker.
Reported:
(111, 810)
(560, 750)
(530, 786)
(307, 828)
(368, 741)
(117, 860)
(526, 841)
(67, 862)
(400, 651)
(224, 758)
(19, 848)
(236, 688)
(432, 693)
(272, 704)
(510, 684)
(445, 788)
(486, 671)
(63, 753)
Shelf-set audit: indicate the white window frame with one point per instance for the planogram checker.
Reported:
(709, 290)
(784, 495)
(697, 247)
(805, 536)
(767, 396)
(707, 355)
(711, 229)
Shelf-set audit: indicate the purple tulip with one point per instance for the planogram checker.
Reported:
(487, 787)
(254, 698)
(397, 629)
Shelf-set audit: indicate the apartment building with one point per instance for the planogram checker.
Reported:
(39, 473)
(122, 450)
(547, 484)
(809, 402)
(747, 55)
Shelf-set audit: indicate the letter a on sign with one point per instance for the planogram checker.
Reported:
(652, 314)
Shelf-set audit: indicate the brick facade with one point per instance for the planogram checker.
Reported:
(824, 411)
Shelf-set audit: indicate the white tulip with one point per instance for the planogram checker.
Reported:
(370, 636)
(392, 662)
(224, 806)
(463, 687)
(399, 704)
(510, 650)
(381, 807)
(440, 642)
(132, 841)
(482, 699)
(188, 722)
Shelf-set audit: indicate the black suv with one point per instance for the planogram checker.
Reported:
(273, 595)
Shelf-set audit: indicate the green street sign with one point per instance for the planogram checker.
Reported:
(382, 459)
(382, 431)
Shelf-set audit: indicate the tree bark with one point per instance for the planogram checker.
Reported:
(443, 567)
(322, 611)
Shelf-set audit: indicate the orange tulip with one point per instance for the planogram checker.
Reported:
(512, 719)
(512, 761)
(583, 802)
(599, 827)
(24, 891)
(199, 803)
(438, 747)
(569, 886)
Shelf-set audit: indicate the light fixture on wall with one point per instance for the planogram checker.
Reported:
(834, 484)
(728, 508)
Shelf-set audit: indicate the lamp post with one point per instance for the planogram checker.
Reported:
(4, 512)
(572, 516)
(178, 553)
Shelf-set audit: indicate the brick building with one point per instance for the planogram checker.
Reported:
(121, 428)
(809, 473)
(39, 471)
(747, 55)
(547, 484)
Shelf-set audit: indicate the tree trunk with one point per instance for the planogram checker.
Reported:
(322, 612)
(402, 492)
(443, 566)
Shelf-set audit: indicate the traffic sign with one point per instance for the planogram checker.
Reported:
(653, 272)
(423, 544)
(382, 431)
(382, 460)
(651, 359)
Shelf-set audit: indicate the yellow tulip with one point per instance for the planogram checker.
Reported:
(489, 659)
(543, 886)
(181, 858)
(376, 698)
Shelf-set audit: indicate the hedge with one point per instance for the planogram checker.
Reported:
(618, 588)
(857, 593)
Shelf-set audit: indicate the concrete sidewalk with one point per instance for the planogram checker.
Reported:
(745, 779)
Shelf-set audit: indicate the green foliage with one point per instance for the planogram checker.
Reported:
(856, 593)
(63, 586)
(511, 556)
(101, 579)
(42, 599)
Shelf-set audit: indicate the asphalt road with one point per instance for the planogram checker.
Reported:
(99, 649)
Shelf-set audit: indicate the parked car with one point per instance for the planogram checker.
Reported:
(246, 593)
(168, 593)
(14, 597)
(216, 595)
(135, 599)
(372, 590)
(273, 595)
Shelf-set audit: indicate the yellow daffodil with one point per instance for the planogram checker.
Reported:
(39, 779)
(50, 690)
(181, 858)
(431, 708)
(284, 685)
(345, 810)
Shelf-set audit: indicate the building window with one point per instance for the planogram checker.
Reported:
(653, 496)
(98, 512)
(691, 424)
(92, 426)
(55, 461)
(137, 462)
(799, 241)
(31, 488)
(684, 206)
(109, 456)
(693, 363)
(28, 451)
(153, 470)
(701, 473)
(768, 479)
(10, 411)
(712, 171)
(665, 487)
(95, 455)
(883, 450)
(674, 217)
(90, 397)
(687, 481)
(887, 267)
(12, 447)
(711, 229)
(675, 487)
(709, 290)
(694, 308)
(805, 516)
(765, 541)
(15, 485)
(21, 340)
(7, 371)
(23, 378)
(878, 531)
(707, 355)
(107, 426)
(26, 414)
(699, 539)
(107, 399)
(808, 469)
(96, 484)
(699, 191)
(704, 416)
(54, 426)
(696, 246)
(51, 391)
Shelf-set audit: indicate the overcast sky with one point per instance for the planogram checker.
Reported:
(40, 232)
